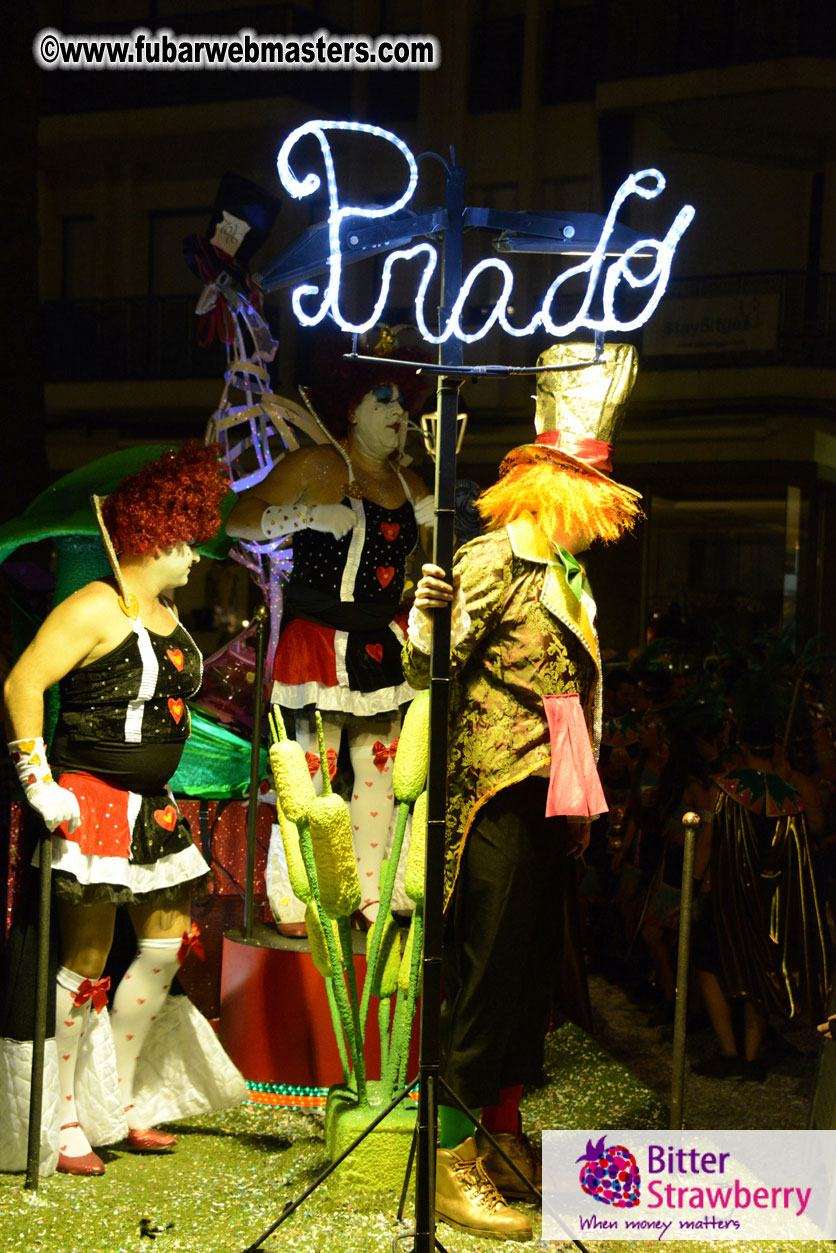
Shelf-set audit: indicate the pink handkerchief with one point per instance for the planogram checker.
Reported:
(574, 787)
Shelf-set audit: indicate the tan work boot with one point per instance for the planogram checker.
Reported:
(522, 1153)
(465, 1197)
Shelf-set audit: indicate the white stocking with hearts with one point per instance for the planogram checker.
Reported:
(139, 999)
(70, 1023)
(372, 801)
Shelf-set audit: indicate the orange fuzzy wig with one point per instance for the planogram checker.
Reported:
(173, 500)
(560, 499)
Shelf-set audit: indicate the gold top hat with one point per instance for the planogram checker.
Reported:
(579, 411)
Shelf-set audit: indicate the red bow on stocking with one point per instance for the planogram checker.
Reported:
(313, 761)
(95, 992)
(191, 940)
(382, 753)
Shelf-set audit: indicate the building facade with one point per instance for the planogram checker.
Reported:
(548, 104)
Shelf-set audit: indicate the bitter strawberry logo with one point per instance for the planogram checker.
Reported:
(610, 1174)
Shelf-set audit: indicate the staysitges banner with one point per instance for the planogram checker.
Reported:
(646, 264)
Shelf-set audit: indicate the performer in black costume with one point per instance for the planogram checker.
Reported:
(760, 935)
(125, 667)
(354, 516)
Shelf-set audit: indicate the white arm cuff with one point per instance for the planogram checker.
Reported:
(420, 630)
(279, 520)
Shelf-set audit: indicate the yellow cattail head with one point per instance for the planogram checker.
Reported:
(333, 847)
(296, 871)
(292, 778)
(417, 855)
(385, 981)
(409, 773)
(406, 960)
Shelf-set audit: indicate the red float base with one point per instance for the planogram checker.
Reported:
(275, 1021)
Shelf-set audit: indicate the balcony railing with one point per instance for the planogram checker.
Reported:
(153, 337)
(156, 337)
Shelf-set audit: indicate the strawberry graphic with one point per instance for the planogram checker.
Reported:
(610, 1174)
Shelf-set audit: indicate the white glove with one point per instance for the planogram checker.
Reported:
(336, 520)
(424, 511)
(55, 804)
(282, 520)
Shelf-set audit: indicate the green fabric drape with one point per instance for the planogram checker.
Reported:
(215, 763)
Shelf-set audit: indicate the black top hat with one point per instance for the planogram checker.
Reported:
(242, 218)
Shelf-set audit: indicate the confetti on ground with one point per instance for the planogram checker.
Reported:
(233, 1174)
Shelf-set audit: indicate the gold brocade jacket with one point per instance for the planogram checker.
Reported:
(529, 637)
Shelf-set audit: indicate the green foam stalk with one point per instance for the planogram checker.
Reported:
(323, 757)
(337, 1025)
(347, 1018)
(387, 883)
(401, 1045)
(344, 927)
(390, 1074)
(276, 724)
(384, 1022)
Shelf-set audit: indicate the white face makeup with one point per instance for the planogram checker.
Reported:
(174, 564)
(378, 423)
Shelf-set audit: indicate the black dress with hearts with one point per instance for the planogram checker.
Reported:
(343, 624)
(121, 731)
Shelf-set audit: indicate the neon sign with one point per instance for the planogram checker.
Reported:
(646, 184)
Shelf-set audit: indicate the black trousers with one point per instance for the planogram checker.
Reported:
(511, 942)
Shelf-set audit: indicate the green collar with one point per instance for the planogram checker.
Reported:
(574, 571)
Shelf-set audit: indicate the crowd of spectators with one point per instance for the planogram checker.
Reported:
(673, 727)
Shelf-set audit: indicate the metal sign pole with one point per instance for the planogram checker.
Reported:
(260, 620)
(690, 822)
(36, 1090)
(445, 497)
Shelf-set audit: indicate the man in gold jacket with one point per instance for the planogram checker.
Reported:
(525, 718)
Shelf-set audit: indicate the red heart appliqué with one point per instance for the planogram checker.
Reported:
(390, 530)
(175, 708)
(375, 651)
(175, 656)
(385, 575)
(166, 817)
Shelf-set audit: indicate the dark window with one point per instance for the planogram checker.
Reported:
(571, 46)
(496, 64)
(78, 260)
(393, 96)
(168, 274)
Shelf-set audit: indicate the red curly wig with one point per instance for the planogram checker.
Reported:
(338, 384)
(173, 500)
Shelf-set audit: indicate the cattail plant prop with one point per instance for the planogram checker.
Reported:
(409, 777)
(329, 824)
(317, 836)
(409, 973)
(296, 796)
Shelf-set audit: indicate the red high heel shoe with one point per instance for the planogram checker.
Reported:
(85, 1164)
(148, 1140)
